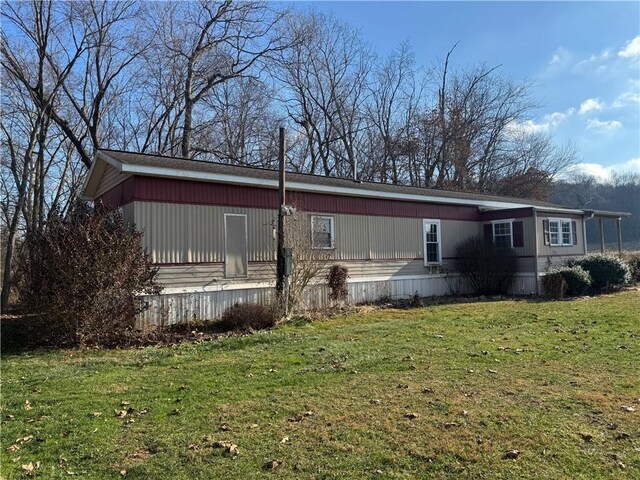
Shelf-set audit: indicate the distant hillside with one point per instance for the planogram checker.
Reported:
(621, 195)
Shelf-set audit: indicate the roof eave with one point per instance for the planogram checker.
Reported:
(100, 161)
(301, 186)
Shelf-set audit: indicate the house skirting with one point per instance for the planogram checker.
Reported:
(179, 305)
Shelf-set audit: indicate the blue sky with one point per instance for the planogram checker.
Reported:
(583, 59)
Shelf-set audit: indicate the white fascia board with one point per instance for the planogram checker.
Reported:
(560, 209)
(100, 156)
(110, 160)
(307, 187)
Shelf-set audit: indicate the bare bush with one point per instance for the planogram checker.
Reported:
(487, 267)
(84, 272)
(308, 262)
(247, 317)
(337, 280)
(554, 284)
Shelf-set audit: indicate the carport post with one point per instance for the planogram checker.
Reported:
(619, 228)
(601, 235)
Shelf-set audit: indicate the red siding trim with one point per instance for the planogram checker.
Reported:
(167, 190)
(119, 195)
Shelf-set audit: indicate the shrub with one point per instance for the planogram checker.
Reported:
(488, 268)
(83, 273)
(554, 284)
(607, 271)
(632, 259)
(577, 279)
(337, 280)
(246, 317)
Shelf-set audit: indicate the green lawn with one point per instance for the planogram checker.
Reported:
(436, 392)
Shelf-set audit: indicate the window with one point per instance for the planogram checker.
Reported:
(235, 245)
(432, 242)
(561, 232)
(502, 234)
(322, 233)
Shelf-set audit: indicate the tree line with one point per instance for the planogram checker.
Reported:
(214, 81)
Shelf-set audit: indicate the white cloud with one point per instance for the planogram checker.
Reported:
(606, 125)
(633, 165)
(561, 57)
(589, 105)
(594, 62)
(631, 49)
(549, 122)
(627, 98)
(528, 126)
(602, 173)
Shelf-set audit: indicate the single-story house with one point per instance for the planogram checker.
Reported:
(209, 228)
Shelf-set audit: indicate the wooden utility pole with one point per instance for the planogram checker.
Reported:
(280, 265)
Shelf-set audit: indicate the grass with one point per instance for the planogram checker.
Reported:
(331, 399)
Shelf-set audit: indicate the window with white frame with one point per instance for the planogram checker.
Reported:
(502, 234)
(432, 242)
(322, 232)
(560, 232)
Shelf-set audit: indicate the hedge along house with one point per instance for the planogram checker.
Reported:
(210, 229)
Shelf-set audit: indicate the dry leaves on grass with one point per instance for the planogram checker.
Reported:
(511, 454)
(273, 464)
(301, 416)
(229, 447)
(123, 413)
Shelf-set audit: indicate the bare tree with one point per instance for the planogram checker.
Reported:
(204, 44)
(394, 102)
(324, 79)
(241, 128)
(308, 262)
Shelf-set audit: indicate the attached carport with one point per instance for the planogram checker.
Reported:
(601, 216)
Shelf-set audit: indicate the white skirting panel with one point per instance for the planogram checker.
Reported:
(179, 307)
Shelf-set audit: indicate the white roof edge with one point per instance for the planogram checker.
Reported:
(559, 209)
(100, 155)
(110, 160)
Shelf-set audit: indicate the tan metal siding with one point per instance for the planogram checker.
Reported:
(127, 212)
(110, 178)
(453, 232)
(178, 233)
(176, 276)
(381, 237)
(352, 237)
(546, 250)
(408, 238)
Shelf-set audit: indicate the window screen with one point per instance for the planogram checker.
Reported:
(502, 234)
(322, 232)
(235, 261)
(431, 242)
